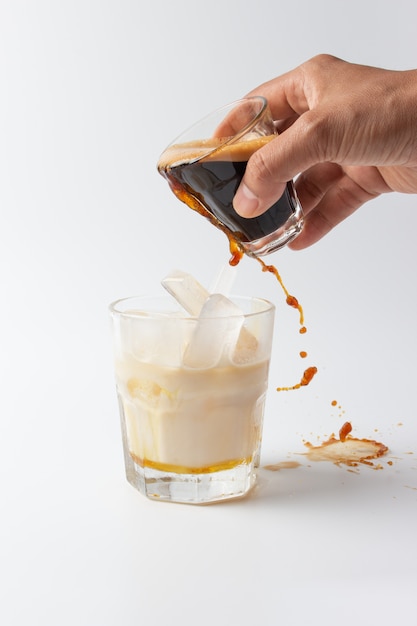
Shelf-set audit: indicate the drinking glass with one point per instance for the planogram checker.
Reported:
(191, 393)
(205, 165)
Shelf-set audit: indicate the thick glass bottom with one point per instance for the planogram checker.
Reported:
(279, 238)
(192, 488)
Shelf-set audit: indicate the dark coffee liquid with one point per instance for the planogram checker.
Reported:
(212, 182)
(205, 176)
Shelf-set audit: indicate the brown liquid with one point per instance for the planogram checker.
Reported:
(282, 465)
(290, 300)
(215, 179)
(345, 430)
(180, 469)
(306, 379)
(344, 451)
(198, 180)
(208, 183)
(350, 451)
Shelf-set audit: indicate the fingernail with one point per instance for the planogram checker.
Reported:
(245, 202)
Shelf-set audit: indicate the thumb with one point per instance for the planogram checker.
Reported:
(273, 165)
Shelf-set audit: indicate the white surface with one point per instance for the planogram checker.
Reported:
(91, 92)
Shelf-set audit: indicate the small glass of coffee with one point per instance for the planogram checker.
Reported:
(205, 165)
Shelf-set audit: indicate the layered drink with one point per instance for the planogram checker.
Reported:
(192, 392)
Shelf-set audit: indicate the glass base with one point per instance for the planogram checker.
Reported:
(279, 238)
(192, 488)
(284, 233)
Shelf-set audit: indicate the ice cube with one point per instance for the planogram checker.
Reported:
(192, 296)
(245, 348)
(186, 290)
(224, 280)
(216, 333)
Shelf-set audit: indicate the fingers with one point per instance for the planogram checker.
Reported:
(242, 114)
(293, 98)
(285, 94)
(348, 149)
(270, 167)
(328, 195)
(314, 183)
(300, 89)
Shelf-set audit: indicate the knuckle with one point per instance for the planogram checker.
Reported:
(322, 61)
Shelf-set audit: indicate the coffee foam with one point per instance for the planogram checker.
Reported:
(213, 149)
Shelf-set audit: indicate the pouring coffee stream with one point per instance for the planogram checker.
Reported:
(204, 171)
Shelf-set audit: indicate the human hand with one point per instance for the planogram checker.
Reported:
(351, 130)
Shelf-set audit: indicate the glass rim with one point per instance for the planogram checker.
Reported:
(227, 140)
(175, 308)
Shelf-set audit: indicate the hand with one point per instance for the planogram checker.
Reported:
(351, 130)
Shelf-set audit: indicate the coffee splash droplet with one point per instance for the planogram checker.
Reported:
(345, 430)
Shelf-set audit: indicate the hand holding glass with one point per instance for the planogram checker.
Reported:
(205, 165)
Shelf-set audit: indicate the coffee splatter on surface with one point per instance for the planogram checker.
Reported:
(275, 467)
(348, 450)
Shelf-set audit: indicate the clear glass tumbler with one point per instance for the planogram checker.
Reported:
(191, 394)
(205, 165)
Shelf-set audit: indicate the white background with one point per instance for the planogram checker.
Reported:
(90, 94)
